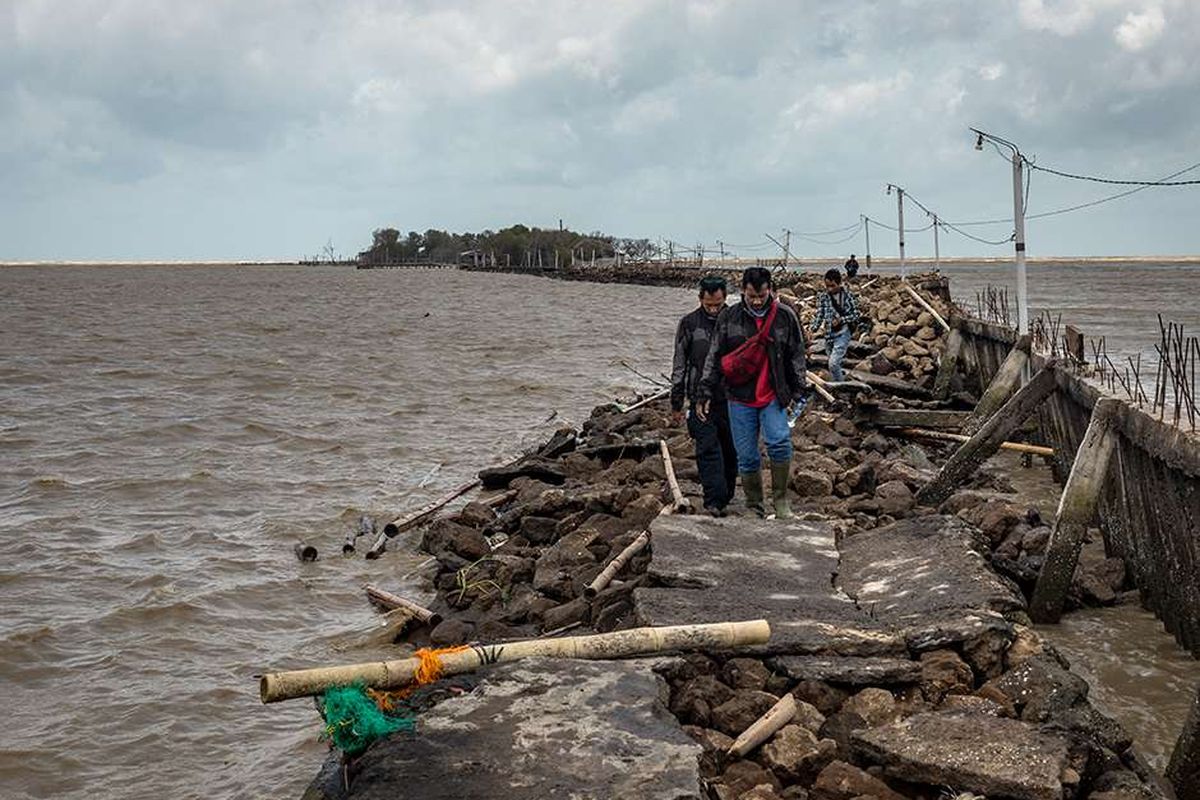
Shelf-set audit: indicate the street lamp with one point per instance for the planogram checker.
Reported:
(1018, 166)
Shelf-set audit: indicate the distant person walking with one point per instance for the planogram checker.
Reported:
(838, 312)
(758, 356)
(851, 266)
(715, 456)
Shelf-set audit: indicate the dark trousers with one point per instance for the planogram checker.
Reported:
(716, 459)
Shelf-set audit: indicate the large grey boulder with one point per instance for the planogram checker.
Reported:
(540, 728)
(996, 757)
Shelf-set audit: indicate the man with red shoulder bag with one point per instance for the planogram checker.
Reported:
(757, 357)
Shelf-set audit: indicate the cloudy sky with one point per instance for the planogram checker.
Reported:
(227, 129)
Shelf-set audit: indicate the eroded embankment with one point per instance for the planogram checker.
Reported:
(909, 655)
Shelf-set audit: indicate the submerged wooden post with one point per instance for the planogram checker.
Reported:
(1184, 770)
(987, 441)
(948, 364)
(1076, 509)
(1006, 381)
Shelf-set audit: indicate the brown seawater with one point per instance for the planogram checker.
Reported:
(167, 434)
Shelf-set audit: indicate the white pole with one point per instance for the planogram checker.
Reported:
(1019, 226)
(937, 253)
(867, 228)
(900, 225)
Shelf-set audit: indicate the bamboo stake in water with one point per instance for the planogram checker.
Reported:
(277, 686)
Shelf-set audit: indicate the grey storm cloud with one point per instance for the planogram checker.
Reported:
(259, 128)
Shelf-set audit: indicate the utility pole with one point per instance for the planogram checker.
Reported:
(1018, 178)
(899, 225)
(787, 247)
(937, 255)
(721, 247)
(1018, 163)
(867, 227)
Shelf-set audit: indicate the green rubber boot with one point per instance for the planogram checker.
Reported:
(753, 489)
(781, 473)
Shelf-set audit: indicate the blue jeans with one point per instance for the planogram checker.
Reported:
(746, 423)
(836, 345)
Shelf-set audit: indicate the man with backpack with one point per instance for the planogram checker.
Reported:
(838, 310)
(758, 357)
(715, 459)
(851, 266)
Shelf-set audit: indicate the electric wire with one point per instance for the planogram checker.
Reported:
(1113, 181)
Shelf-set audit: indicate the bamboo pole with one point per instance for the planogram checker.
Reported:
(304, 552)
(925, 305)
(391, 601)
(681, 502)
(643, 402)
(618, 562)
(819, 385)
(765, 726)
(406, 521)
(1016, 447)
(276, 686)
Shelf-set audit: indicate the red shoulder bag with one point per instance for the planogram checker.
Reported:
(743, 364)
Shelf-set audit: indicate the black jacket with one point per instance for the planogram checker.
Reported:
(785, 355)
(692, 339)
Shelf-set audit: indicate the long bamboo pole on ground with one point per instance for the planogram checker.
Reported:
(765, 726)
(276, 686)
(681, 502)
(1016, 447)
(384, 598)
(925, 305)
(819, 385)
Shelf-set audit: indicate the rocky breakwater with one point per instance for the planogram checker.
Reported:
(899, 631)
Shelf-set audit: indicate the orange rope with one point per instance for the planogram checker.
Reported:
(428, 671)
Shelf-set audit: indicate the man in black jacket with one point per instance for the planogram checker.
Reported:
(759, 405)
(715, 458)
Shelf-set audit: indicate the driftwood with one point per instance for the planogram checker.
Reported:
(389, 601)
(765, 726)
(917, 418)
(818, 384)
(681, 502)
(887, 383)
(1016, 447)
(276, 686)
(925, 305)
(983, 445)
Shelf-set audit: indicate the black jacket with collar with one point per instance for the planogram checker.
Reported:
(785, 355)
(692, 340)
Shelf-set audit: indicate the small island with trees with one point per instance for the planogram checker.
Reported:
(514, 246)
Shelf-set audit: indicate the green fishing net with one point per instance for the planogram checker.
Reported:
(353, 721)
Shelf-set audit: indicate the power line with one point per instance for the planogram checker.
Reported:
(1093, 179)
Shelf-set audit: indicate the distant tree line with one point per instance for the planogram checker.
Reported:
(517, 244)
